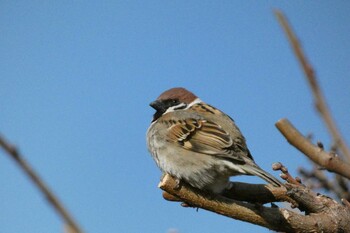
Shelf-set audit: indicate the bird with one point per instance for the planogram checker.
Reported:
(197, 143)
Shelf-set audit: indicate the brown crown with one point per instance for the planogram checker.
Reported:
(179, 93)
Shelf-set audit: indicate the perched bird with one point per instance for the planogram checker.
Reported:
(199, 144)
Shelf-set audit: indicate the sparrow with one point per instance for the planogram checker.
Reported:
(199, 144)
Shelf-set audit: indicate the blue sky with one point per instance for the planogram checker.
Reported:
(76, 78)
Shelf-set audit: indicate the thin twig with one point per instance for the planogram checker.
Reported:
(51, 198)
(320, 157)
(285, 174)
(320, 102)
(319, 180)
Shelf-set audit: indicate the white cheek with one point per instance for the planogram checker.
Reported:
(196, 101)
(173, 108)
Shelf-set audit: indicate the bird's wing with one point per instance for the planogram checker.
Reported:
(206, 137)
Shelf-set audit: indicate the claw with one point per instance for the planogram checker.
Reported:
(186, 205)
(178, 184)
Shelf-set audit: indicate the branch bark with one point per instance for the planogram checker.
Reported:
(329, 161)
(248, 212)
(255, 193)
(327, 216)
(40, 184)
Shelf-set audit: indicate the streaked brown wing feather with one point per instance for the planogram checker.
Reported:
(204, 137)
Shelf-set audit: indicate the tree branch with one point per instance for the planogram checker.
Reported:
(320, 102)
(248, 212)
(50, 197)
(255, 193)
(329, 161)
(334, 218)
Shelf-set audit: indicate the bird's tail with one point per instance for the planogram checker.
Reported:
(257, 171)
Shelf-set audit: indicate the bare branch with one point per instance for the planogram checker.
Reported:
(50, 197)
(329, 161)
(320, 102)
(334, 218)
(257, 193)
(259, 215)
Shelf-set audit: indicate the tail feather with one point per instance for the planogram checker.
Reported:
(257, 171)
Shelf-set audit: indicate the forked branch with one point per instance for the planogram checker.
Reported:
(327, 216)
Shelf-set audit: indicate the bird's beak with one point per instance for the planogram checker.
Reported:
(157, 105)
